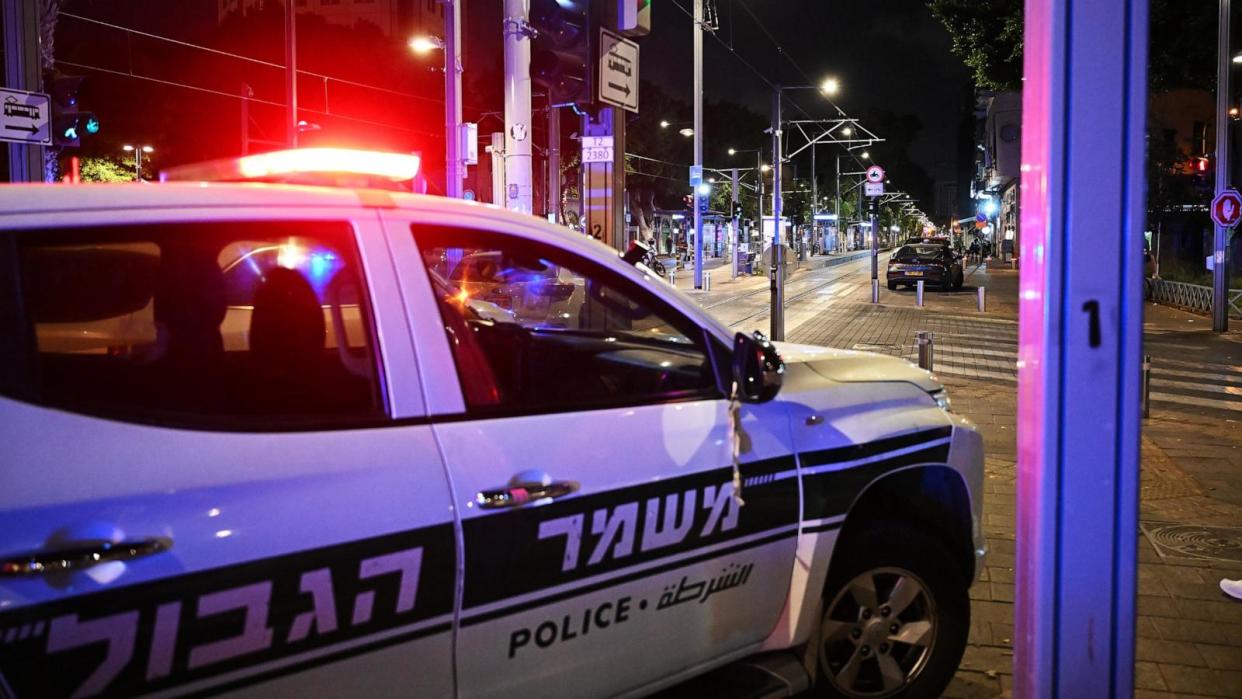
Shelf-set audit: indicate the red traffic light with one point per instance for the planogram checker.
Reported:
(1201, 164)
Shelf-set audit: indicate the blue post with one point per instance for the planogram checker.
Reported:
(1080, 335)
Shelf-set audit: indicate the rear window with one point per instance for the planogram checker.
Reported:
(919, 253)
(236, 324)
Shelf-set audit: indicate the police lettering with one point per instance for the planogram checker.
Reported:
(250, 630)
(570, 626)
(647, 525)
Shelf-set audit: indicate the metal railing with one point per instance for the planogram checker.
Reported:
(1192, 297)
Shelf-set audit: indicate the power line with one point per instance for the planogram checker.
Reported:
(256, 100)
(249, 59)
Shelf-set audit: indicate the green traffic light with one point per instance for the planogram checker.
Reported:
(92, 125)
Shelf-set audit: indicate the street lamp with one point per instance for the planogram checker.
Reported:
(865, 155)
(137, 151)
(687, 132)
(664, 123)
(828, 86)
(425, 44)
(761, 168)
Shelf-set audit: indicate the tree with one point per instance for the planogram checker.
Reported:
(94, 169)
(987, 36)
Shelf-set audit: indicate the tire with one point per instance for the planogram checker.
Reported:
(892, 286)
(923, 653)
(961, 281)
(657, 267)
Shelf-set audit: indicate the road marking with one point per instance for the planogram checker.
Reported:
(1204, 387)
(1197, 402)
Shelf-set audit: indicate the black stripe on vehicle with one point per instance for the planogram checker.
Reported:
(583, 537)
(868, 449)
(191, 627)
(621, 580)
(294, 668)
(831, 493)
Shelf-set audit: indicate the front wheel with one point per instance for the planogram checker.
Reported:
(896, 619)
(657, 267)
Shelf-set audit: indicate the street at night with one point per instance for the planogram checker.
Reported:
(645, 348)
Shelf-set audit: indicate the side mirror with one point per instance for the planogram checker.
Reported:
(757, 368)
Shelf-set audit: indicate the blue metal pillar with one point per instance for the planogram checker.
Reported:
(1080, 336)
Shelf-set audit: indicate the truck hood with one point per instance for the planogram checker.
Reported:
(850, 366)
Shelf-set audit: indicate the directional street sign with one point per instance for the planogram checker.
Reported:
(597, 149)
(25, 117)
(873, 189)
(618, 71)
(875, 173)
(1227, 208)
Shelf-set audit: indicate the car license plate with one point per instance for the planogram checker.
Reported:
(914, 273)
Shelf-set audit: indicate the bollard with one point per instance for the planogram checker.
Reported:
(672, 277)
(918, 296)
(927, 349)
(1146, 385)
(875, 291)
(983, 292)
(707, 281)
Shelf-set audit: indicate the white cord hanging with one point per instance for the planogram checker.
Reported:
(735, 443)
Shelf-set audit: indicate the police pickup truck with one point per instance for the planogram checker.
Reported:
(278, 440)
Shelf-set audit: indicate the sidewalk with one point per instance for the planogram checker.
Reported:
(1190, 535)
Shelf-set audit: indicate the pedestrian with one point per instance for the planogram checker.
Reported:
(1233, 588)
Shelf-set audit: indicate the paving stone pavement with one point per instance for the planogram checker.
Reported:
(1189, 633)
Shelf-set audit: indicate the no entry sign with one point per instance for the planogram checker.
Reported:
(1227, 208)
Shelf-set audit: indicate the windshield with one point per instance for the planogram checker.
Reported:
(919, 253)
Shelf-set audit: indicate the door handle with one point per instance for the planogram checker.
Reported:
(521, 493)
(80, 555)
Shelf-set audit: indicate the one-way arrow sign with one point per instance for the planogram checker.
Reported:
(618, 71)
(25, 116)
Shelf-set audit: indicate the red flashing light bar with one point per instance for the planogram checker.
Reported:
(281, 164)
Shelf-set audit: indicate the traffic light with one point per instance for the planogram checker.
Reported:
(68, 122)
(560, 60)
(737, 209)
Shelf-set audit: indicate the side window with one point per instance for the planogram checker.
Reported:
(536, 329)
(216, 325)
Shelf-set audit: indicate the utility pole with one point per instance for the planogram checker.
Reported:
(837, 210)
(554, 163)
(737, 222)
(875, 250)
(518, 173)
(1220, 240)
(778, 250)
(698, 142)
(454, 170)
(814, 199)
(759, 190)
(246, 94)
(22, 72)
(291, 75)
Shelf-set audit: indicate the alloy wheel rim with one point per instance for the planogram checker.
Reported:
(878, 633)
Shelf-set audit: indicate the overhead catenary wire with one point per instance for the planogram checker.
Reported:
(245, 58)
(232, 96)
(759, 74)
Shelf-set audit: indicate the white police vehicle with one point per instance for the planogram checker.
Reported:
(277, 440)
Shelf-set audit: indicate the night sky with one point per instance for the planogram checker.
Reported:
(889, 55)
